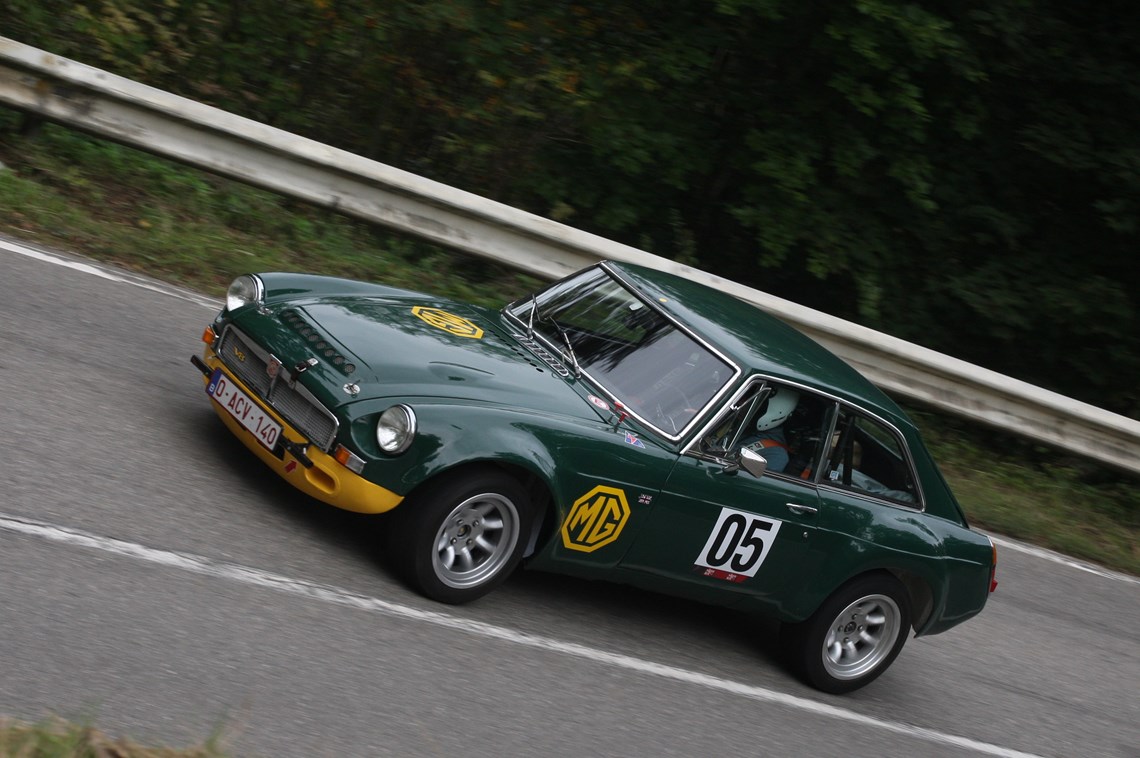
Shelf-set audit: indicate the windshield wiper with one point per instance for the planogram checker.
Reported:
(569, 347)
(530, 318)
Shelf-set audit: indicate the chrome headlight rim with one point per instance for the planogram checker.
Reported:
(246, 289)
(395, 429)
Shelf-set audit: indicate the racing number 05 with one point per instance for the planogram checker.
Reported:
(738, 543)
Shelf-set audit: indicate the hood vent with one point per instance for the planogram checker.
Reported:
(555, 365)
(317, 344)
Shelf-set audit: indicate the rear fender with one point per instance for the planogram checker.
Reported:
(926, 588)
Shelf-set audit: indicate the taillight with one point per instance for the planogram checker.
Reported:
(993, 567)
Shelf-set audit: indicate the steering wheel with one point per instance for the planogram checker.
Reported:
(668, 418)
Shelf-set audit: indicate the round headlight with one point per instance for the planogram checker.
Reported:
(243, 291)
(396, 429)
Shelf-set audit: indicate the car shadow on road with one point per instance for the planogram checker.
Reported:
(606, 616)
(336, 527)
(683, 630)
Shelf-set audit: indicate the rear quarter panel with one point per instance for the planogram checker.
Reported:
(945, 564)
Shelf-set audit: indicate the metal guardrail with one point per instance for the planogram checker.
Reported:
(119, 109)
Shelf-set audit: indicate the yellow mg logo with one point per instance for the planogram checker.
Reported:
(448, 322)
(596, 519)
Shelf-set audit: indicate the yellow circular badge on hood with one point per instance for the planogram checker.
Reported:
(448, 322)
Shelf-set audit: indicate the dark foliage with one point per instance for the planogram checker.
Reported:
(962, 175)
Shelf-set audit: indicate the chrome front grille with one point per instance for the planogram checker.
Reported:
(248, 362)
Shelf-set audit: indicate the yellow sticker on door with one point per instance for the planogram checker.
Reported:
(596, 519)
(448, 322)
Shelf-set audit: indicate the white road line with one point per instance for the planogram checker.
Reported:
(1064, 560)
(233, 572)
(106, 273)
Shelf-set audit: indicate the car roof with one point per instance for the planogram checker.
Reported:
(754, 339)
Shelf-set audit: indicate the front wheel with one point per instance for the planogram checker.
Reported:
(853, 637)
(460, 537)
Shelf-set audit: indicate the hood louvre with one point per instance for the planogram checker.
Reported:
(293, 319)
(555, 364)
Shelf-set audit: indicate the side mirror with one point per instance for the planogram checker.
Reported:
(753, 462)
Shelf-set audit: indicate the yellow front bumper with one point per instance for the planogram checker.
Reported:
(327, 480)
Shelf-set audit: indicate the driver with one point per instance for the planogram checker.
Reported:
(768, 438)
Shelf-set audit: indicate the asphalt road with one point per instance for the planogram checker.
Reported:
(156, 580)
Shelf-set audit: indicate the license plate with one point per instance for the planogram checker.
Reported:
(247, 412)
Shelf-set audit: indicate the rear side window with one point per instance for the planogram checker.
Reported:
(869, 457)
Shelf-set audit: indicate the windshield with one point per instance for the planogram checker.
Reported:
(658, 372)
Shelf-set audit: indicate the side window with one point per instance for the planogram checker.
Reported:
(867, 456)
(787, 425)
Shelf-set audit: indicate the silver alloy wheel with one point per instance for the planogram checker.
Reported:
(476, 540)
(861, 637)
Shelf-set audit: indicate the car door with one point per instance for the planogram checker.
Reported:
(717, 529)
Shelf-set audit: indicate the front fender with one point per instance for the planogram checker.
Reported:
(455, 435)
(448, 435)
(571, 457)
(286, 286)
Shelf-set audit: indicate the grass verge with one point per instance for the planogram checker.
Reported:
(56, 738)
(1036, 494)
(116, 204)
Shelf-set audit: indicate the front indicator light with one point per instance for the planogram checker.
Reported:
(348, 459)
(209, 336)
(396, 429)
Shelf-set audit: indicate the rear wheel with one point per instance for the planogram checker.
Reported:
(853, 637)
(460, 537)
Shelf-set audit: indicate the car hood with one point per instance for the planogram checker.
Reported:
(400, 347)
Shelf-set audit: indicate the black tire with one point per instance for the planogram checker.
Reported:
(461, 536)
(853, 637)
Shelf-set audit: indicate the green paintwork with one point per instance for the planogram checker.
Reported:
(492, 400)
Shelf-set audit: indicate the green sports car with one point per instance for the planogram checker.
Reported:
(621, 424)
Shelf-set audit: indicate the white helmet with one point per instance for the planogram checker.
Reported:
(780, 405)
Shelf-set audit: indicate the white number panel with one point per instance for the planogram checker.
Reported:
(737, 545)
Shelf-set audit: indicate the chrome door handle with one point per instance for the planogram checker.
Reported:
(801, 509)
